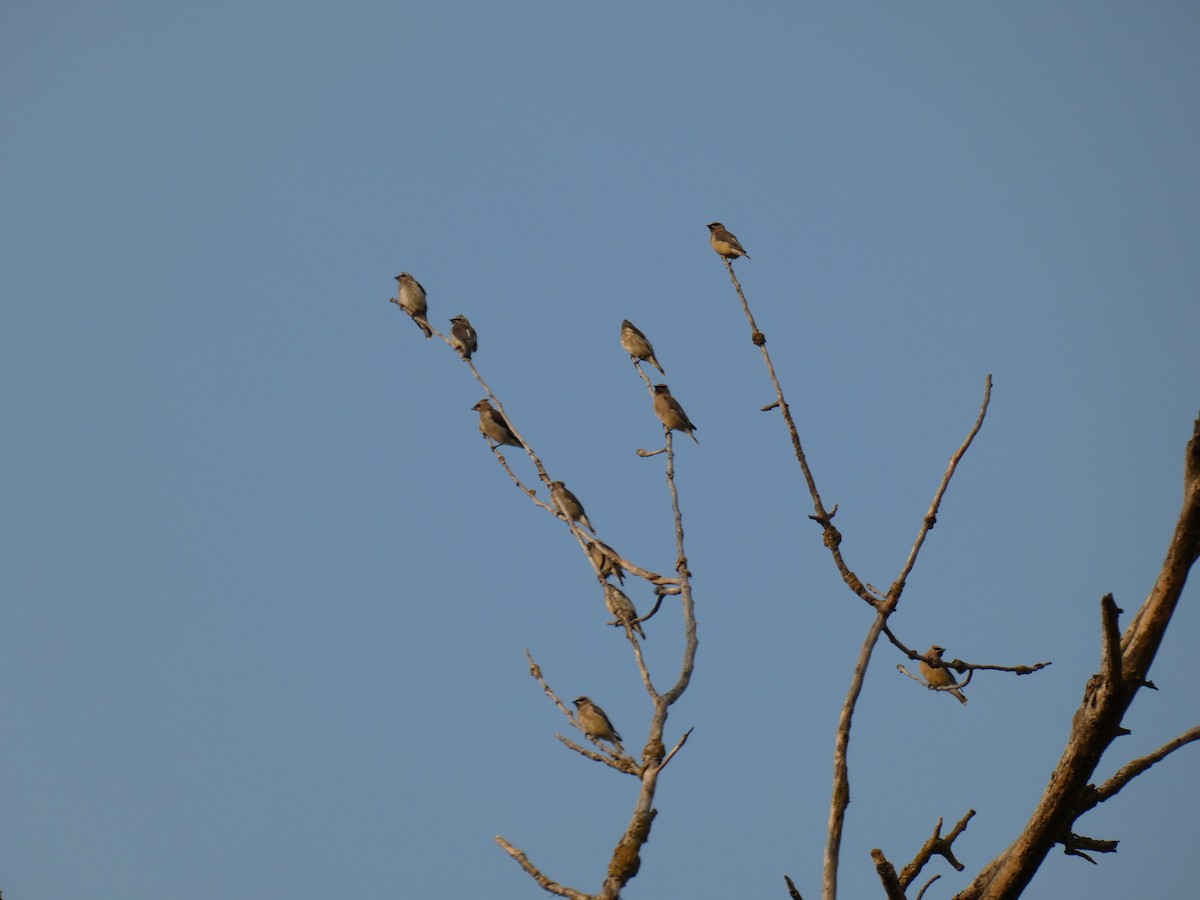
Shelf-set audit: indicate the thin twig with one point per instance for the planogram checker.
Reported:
(841, 770)
(832, 537)
(931, 516)
(552, 886)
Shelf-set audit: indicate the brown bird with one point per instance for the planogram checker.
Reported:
(725, 243)
(568, 504)
(637, 346)
(622, 608)
(463, 337)
(493, 426)
(595, 723)
(605, 560)
(410, 297)
(673, 417)
(940, 677)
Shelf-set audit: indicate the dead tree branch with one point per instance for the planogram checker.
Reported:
(939, 844)
(1107, 696)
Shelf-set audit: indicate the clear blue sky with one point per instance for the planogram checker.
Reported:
(263, 591)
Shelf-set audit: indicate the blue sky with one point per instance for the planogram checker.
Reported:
(265, 593)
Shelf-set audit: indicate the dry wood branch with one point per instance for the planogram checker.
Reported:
(1098, 720)
(678, 746)
(534, 872)
(832, 538)
(958, 665)
(1110, 647)
(1076, 844)
(841, 769)
(626, 858)
(609, 757)
(939, 844)
(887, 874)
(925, 887)
(1133, 769)
(931, 516)
(791, 886)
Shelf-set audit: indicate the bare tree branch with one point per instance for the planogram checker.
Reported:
(841, 770)
(832, 537)
(1098, 720)
(552, 886)
(1131, 770)
(887, 874)
(936, 843)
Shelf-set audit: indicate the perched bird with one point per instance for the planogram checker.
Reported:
(622, 608)
(493, 426)
(606, 560)
(410, 297)
(725, 243)
(463, 337)
(568, 504)
(595, 723)
(673, 417)
(940, 677)
(636, 345)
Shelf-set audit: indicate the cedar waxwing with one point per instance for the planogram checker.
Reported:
(636, 345)
(463, 337)
(622, 608)
(410, 297)
(940, 677)
(595, 723)
(568, 504)
(725, 243)
(673, 417)
(493, 426)
(605, 559)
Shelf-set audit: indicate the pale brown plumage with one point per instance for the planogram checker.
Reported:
(606, 560)
(568, 504)
(410, 297)
(595, 723)
(671, 414)
(622, 608)
(493, 426)
(940, 676)
(637, 346)
(724, 243)
(463, 337)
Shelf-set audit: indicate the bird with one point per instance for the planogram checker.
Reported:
(595, 723)
(568, 504)
(493, 426)
(605, 560)
(410, 297)
(622, 608)
(673, 417)
(463, 337)
(724, 243)
(940, 677)
(637, 346)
